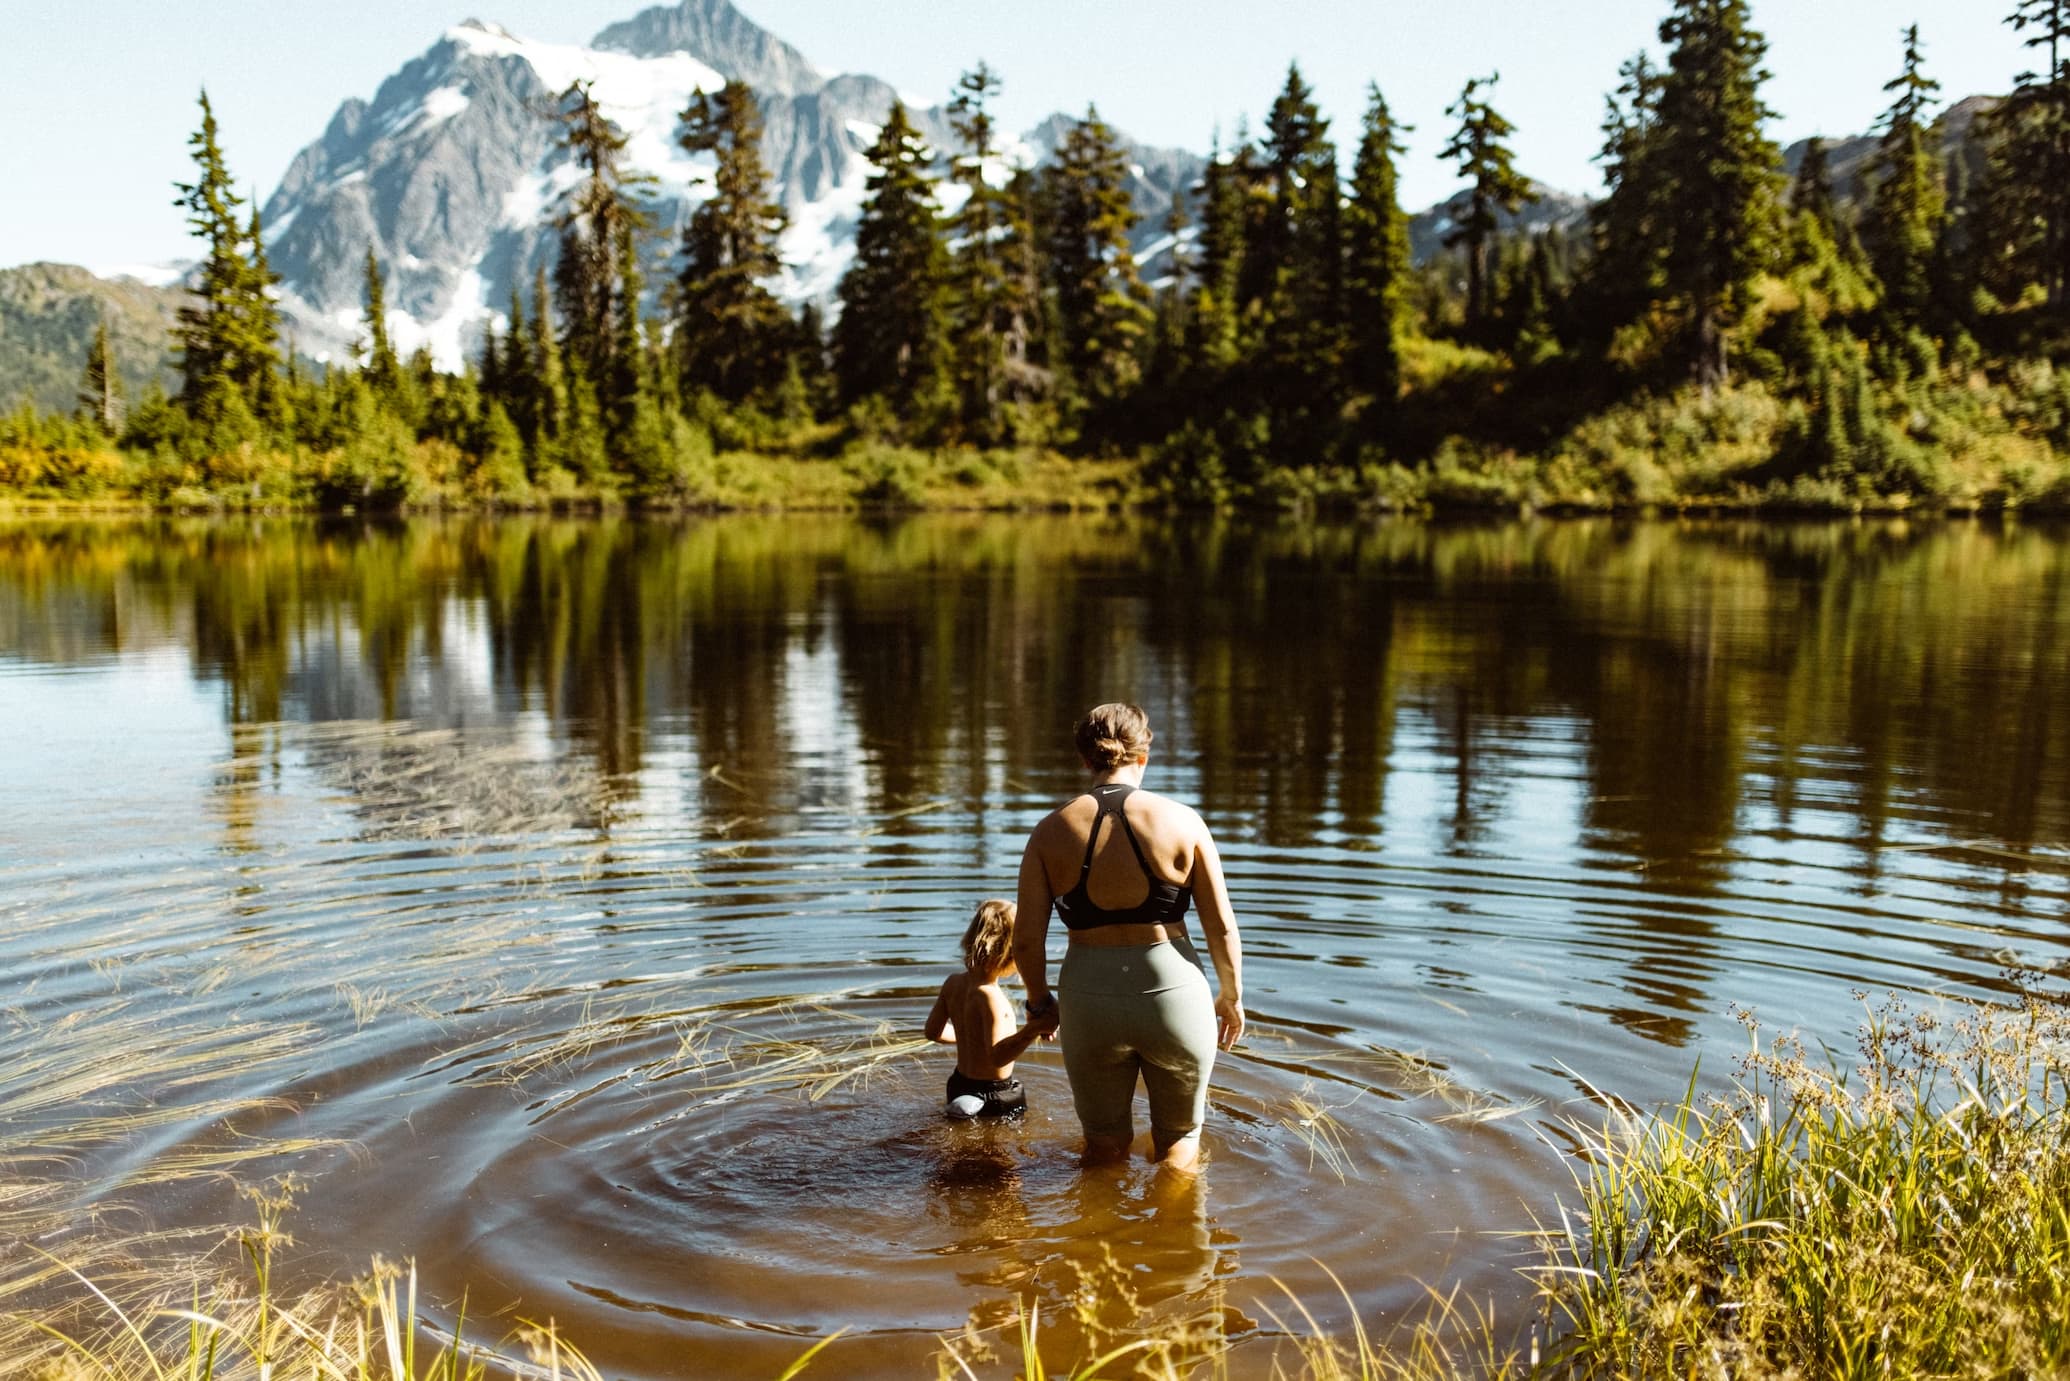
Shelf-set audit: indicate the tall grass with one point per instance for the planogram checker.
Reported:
(1907, 1217)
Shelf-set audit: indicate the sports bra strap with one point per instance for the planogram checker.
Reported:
(1111, 803)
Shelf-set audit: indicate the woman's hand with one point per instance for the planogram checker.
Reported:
(1042, 1014)
(1228, 1020)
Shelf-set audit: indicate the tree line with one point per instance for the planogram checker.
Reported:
(996, 306)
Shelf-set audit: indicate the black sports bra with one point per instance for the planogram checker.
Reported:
(1166, 904)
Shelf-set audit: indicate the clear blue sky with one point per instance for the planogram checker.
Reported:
(98, 98)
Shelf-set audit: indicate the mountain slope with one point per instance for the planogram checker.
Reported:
(48, 313)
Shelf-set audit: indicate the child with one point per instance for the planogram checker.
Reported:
(974, 1016)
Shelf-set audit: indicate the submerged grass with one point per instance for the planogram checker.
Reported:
(1907, 1214)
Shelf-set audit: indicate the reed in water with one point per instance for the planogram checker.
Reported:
(1905, 1216)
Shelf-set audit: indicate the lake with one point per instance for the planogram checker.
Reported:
(560, 899)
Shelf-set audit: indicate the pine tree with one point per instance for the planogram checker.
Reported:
(989, 309)
(226, 334)
(729, 326)
(588, 273)
(1224, 234)
(1907, 202)
(260, 323)
(2027, 200)
(1811, 197)
(383, 370)
(1719, 171)
(891, 339)
(1102, 306)
(549, 373)
(1627, 225)
(1305, 322)
(100, 391)
(626, 388)
(1376, 236)
(1480, 145)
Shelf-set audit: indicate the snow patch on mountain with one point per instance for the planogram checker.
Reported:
(454, 174)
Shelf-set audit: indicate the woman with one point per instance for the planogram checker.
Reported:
(1134, 999)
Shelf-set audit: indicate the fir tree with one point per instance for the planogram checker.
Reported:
(1717, 169)
(382, 368)
(1224, 226)
(1102, 307)
(1376, 236)
(989, 307)
(2027, 200)
(1907, 202)
(226, 334)
(1811, 198)
(100, 390)
(1627, 225)
(891, 339)
(1304, 238)
(549, 377)
(729, 327)
(588, 273)
(1480, 145)
(260, 373)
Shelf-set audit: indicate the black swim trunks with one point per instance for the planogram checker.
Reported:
(970, 1097)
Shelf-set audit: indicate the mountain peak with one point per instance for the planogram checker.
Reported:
(721, 37)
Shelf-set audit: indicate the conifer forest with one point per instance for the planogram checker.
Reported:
(1712, 334)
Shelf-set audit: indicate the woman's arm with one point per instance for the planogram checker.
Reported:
(1225, 947)
(1032, 903)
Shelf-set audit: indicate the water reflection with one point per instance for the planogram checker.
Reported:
(513, 822)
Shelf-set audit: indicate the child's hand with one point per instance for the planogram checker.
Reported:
(1043, 1015)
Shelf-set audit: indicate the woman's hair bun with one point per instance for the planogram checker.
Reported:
(1110, 735)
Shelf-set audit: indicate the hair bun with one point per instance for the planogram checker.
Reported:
(1110, 735)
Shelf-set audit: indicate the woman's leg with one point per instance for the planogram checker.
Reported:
(1178, 1055)
(1098, 1059)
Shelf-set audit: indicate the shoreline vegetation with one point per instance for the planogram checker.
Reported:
(1900, 1214)
(1856, 333)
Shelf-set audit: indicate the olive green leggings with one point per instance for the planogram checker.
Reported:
(1129, 1010)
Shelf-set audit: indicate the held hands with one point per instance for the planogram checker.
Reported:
(1042, 1015)
(1228, 1020)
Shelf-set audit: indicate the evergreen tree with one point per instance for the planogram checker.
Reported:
(1717, 169)
(226, 334)
(1305, 322)
(891, 339)
(1376, 236)
(622, 391)
(990, 305)
(730, 328)
(261, 368)
(1907, 203)
(1811, 198)
(1627, 224)
(382, 368)
(1224, 234)
(1102, 307)
(549, 373)
(1480, 145)
(100, 391)
(588, 273)
(2027, 200)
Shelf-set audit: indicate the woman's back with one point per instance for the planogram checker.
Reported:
(1146, 840)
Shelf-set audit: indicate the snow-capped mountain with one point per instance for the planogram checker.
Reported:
(453, 171)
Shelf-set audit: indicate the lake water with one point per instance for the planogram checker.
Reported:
(560, 898)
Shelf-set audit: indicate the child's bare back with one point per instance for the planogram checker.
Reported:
(972, 1013)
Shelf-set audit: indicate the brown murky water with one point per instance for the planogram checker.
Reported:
(568, 893)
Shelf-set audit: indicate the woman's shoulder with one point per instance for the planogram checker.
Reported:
(1165, 808)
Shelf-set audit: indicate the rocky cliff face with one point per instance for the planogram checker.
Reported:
(453, 172)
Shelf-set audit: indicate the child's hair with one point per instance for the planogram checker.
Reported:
(988, 942)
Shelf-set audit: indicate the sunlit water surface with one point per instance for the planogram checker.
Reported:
(561, 899)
